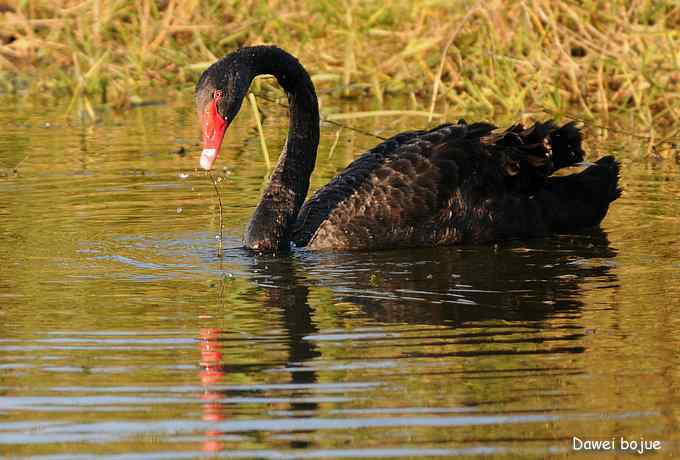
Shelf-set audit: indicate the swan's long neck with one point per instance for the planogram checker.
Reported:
(271, 226)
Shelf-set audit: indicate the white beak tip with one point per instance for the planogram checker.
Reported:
(208, 158)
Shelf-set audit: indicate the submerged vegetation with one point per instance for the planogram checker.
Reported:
(617, 63)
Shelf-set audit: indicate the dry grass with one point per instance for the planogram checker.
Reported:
(612, 63)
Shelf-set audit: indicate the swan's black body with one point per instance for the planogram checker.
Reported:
(457, 183)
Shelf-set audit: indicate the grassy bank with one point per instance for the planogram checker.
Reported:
(495, 59)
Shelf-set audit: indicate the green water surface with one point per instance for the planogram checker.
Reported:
(124, 335)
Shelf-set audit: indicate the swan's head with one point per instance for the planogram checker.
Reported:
(219, 94)
(212, 104)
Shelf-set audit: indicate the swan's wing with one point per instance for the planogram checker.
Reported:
(398, 185)
(459, 183)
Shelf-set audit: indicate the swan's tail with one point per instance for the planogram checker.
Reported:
(580, 199)
(545, 161)
(530, 154)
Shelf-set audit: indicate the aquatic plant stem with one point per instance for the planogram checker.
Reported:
(260, 131)
(335, 143)
(220, 244)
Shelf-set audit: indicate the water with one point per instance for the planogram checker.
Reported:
(123, 335)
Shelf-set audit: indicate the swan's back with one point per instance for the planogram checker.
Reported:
(458, 184)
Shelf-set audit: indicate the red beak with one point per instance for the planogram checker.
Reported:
(213, 126)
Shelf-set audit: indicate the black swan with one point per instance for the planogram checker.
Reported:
(454, 184)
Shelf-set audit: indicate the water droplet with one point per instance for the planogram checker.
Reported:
(179, 210)
(183, 175)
